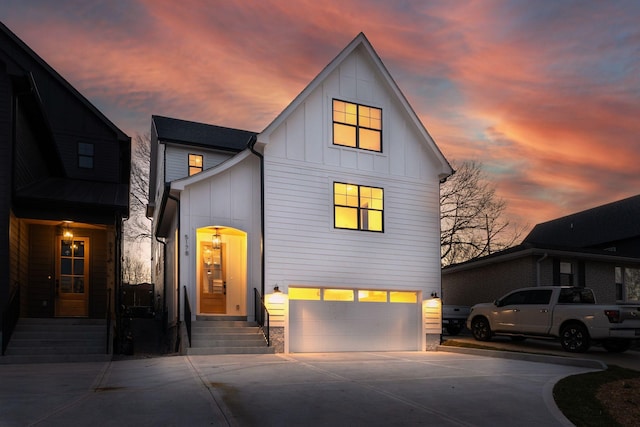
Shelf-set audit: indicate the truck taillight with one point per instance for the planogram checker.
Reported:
(613, 315)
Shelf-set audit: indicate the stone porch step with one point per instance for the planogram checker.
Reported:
(226, 335)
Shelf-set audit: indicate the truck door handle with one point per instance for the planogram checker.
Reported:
(544, 310)
(515, 310)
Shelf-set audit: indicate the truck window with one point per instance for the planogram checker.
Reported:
(576, 296)
(542, 296)
(514, 298)
(539, 296)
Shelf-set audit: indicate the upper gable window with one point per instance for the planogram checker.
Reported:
(357, 207)
(85, 155)
(357, 126)
(195, 164)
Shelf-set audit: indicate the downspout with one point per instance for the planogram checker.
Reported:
(175, 199)
(252, 143)
(165, 309)
(538, 264)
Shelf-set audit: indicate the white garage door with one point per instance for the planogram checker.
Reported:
(358, 325)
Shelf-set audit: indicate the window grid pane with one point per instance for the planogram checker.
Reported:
(358, 207)
(195, 164)
(85, 155)
(357, 126)
(344, 135)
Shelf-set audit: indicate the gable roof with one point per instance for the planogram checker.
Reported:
(539, 251)
(50, 72)
(185, 132)
(361, 41)
(593, 227)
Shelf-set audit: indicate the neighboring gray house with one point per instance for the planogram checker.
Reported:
(597, 248)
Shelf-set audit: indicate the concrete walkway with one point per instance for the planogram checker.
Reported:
(336, 389)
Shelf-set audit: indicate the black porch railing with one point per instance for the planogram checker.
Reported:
(261, 315)
(187, 314)
(108, 315)
(10, 317)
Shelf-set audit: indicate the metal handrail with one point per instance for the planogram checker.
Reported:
(261, 315)
(10, 317)
(187, 314)
(108, 316)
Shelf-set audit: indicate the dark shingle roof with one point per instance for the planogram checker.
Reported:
(191, 133)
(77, 192)
(612, 222)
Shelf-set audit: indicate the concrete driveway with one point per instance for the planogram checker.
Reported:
(337, 389)
(629, 359)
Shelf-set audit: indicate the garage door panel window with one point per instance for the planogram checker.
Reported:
(358, 207)
(372, 296)
(341, 294)
(309, 294)
(403, 297)
(338, 295)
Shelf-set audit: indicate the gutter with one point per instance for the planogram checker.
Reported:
(251, 145)
(175, 199)
(163, 204)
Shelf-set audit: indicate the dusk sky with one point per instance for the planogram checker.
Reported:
(544, 93)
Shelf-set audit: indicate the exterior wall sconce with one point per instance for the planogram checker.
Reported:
(216, 239)
(67, 233)
(276, 289)
(434, 295)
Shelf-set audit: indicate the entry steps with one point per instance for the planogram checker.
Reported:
(57, 340)
(226, 335)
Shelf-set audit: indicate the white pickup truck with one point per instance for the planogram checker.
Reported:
(568, 313)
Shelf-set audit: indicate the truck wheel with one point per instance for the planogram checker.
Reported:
(453, 329)
(616, 346)
(480, 329)
(574, 338)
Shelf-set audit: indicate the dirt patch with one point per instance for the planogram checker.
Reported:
(622, 400)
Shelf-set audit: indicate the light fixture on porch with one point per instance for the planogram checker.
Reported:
(276, 289)
(216, 239)
(67, 233)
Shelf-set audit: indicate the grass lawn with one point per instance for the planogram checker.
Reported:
(618, 404)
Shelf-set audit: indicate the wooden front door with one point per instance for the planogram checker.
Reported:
(72, 278)
(213, 285)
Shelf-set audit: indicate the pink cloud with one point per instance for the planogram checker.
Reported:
(544, 96)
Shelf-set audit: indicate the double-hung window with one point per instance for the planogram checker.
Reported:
(195, 164)
(357, 126)
(85, 155)
(358, 207)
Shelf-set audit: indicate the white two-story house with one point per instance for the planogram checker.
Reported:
(334, 206)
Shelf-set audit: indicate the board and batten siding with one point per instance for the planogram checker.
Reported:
(230, 198)
(301, 164)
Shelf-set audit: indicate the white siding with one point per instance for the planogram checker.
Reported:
(301, 164)
(177, 162)
(228, 199)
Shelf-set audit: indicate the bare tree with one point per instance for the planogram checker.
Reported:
(472, 217)
(138, 227)
(134, 269)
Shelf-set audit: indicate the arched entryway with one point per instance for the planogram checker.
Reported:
(221, 271)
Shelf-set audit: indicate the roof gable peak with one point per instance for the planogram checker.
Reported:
(361, 42)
